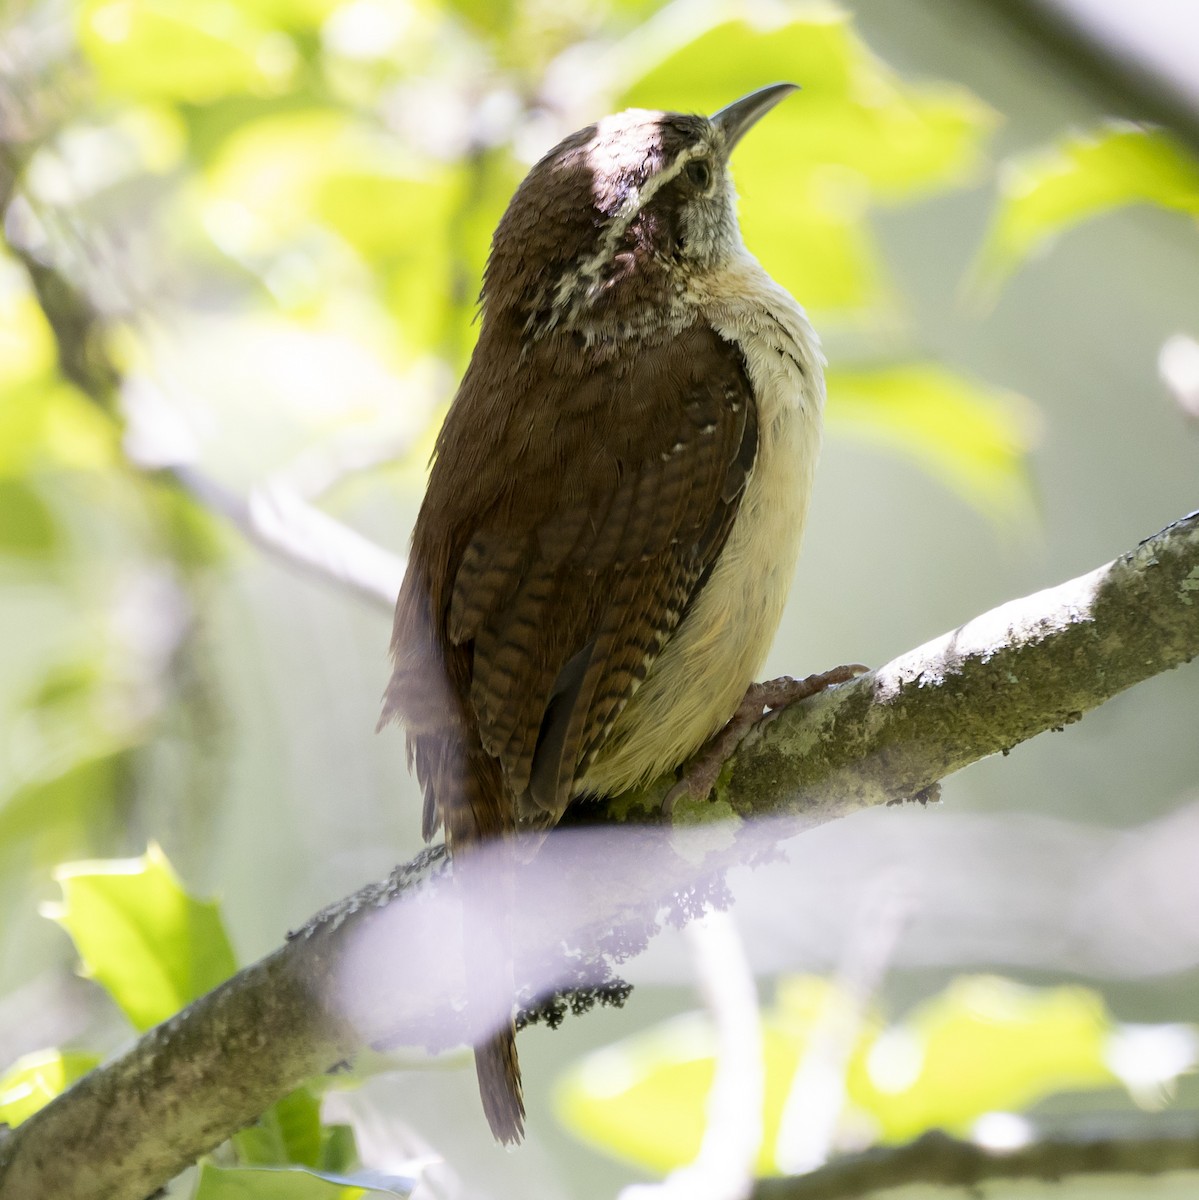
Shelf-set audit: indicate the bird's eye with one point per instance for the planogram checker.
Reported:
(699, 172)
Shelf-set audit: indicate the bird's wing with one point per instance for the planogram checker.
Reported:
(570, 584)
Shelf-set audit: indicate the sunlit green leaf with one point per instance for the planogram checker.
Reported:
(974, 438)
(491, 16)
(815, 242)
(34, 1080)
(293, 1183)
(423, 226)
(53, 425)
(644, 1098)
(853, 112)
(1047, 192)
(26, 343)
(288, 1132)
(260, 1183)
(152, 946)
(292, 14)
(260, 186)
(984, 1045)
(675, 65)
(189, 50)
(43, 422)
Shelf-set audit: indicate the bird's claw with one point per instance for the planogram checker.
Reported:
(760, 705)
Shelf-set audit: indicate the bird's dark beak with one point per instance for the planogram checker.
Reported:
(736, 120)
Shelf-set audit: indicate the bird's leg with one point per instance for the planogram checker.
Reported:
(700, 772)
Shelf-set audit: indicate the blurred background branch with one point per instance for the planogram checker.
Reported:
(1131, 60)
(937, 1161)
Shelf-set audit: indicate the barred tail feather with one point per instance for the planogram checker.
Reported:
(498, 1069)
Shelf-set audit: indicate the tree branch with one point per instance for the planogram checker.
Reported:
(381, 966)
(936, 1159)
(1120, 82)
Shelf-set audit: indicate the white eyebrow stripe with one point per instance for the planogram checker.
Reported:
(634, 202)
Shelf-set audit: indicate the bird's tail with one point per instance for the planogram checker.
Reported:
(498, 1069)
(480, 835)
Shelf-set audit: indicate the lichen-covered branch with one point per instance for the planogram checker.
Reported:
(382, 965)
(1032, 665)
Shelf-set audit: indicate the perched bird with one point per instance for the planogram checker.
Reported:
(616, 498)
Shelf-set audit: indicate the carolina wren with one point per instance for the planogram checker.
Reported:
(616, 499)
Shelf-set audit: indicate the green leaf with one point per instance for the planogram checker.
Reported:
(293, 1183)
(27, 349)
(27, 527)
(339, 1149)
(292, 14)
(644, 1099)
(854, 112)
(814, 240)
(320, 182)
(34, 1080)
(288, 1132)
(43, 422)
(1047, 192)
(973, 438)
(46, 819)
(983, 1045)
(53, 425)
(193, 51)
(153, 947)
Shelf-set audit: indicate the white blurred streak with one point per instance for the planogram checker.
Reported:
(1015, 891)
(368, 29)
(319, 469)
(815, 1103)
(724, 1167)
(305, 534)
(1018, 890)
(1003, 1131)
(1178, 365)
(1149, 1059)
(1161, 36)
(391, 1146)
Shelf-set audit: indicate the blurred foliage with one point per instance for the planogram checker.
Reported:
(33, 1081)
(984, 1045)
(1044, 193)
(973, 438)
(139, 935)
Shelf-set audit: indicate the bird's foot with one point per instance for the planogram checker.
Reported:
(761, 704)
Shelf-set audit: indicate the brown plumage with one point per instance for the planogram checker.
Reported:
(584, 485)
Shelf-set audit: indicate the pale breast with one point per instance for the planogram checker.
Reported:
(696, 683)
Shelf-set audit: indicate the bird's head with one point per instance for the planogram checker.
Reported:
(608, 228)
